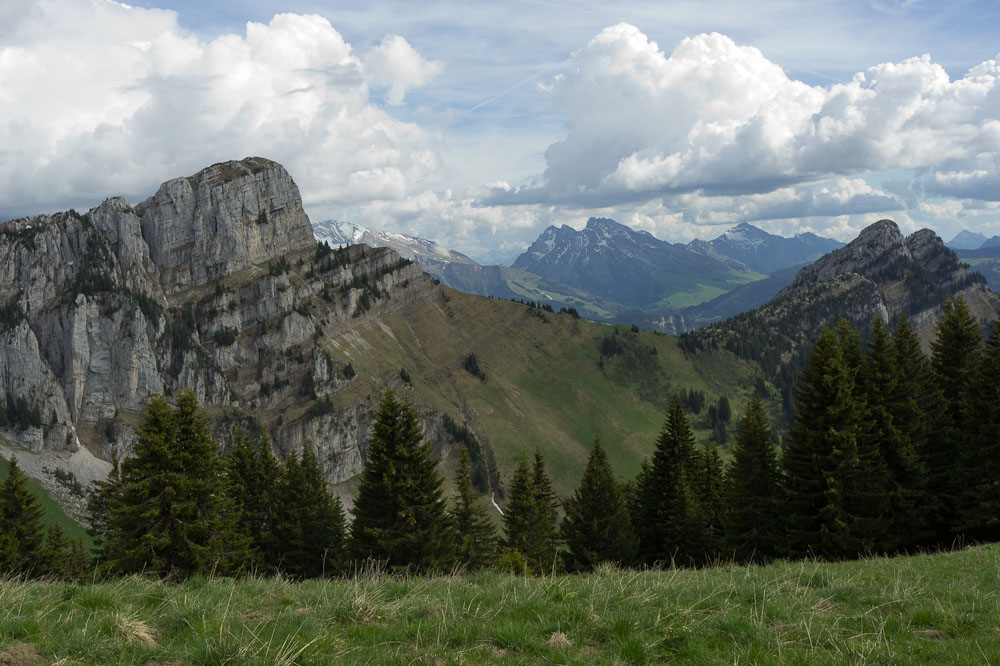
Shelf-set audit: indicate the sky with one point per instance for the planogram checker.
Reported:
(478, 124)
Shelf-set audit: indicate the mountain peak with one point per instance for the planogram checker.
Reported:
(967, 240)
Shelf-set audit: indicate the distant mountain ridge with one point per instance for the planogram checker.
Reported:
(880, 274)
(630, 267)
(767, 253)
(422, 250)
(970, 240)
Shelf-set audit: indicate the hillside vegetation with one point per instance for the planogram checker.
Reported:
(941, 608)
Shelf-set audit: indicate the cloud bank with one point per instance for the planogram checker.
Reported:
(721, 119)
(102, 98)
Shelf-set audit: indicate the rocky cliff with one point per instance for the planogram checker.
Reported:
(215, 284)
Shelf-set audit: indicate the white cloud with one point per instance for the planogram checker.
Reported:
(102, 99)
(721, 118)
(395, 64)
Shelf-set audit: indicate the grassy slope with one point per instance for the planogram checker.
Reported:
(53, 512)
(911, 610)
(544, 385)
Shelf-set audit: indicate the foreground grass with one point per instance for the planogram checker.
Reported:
(918, 610)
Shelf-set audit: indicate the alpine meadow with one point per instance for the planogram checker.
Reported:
(484, 334)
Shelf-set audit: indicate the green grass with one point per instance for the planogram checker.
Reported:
(545, 386)
(54, 514)
(938, 609)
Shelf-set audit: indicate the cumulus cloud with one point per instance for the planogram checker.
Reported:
(396, 65)
(717, 117)
(100, 99)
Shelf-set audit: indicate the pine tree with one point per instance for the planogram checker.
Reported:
(979, 501)
(547, 515)
(954, 356)
(400, 514)
(53, 555)
(919, 416)
(754, 502)
(711, 481)
(867, 499)
(825, 479)
(170, 513)
(309, 524)
(667, 516)
(20, 521)
(477, 539)
(253, 475)
(521, 513)
(890, 389)
(597, 527)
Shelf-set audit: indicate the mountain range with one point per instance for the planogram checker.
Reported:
(217, 284)
(970, 240)
(610, 272)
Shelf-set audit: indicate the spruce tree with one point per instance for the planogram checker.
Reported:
(597, 527)
(400, 514)
(54, 553)
(253, 475)
(521, 513)
(979, 501)
(170, 514)
(826, 482)
(668, 519)
(754, 501)
(920, 417)
(954, 357)
(309, 524)
(20, 521)
(477, 539)
(711, 481)
(890, 393)
(547, 515)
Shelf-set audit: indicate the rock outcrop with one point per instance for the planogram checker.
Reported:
(213, 284)
(880, 274)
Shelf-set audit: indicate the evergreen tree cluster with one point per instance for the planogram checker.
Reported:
(27, 548)
(889, 450)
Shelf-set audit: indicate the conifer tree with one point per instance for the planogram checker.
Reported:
(920, 417)
(54, 553)
(309, 524)
(668, 519)
(867, 502)
(400, 514)
(20, 521)
(826, 482)
(253, 474)
(477, 539)
(547, 515)
(711, 480)
(171, 513)
(979, 501)
(754, 501)
(955, 355)
(597, 527)
(521, 513)
(891, 387)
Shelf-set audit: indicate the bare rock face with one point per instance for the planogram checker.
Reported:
(215, 284)
(221, 220)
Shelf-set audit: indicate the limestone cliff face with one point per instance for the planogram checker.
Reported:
(214, 284)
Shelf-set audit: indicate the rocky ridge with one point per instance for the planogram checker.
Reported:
(879, 274)
(214, 284)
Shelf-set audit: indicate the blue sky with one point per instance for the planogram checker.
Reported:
(479, 123)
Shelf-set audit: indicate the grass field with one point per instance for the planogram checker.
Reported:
(54, 514)
(547, 386)
(937, 609)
